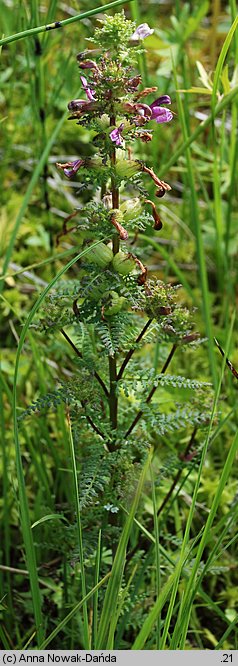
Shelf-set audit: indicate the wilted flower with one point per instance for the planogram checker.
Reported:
(145, 92)
(89, 92)
(115, 135)
(134, 82)
(116, 218)
(163, 186)
(77, 104)
(158, 224)
(144, 136)
(141, 32)
(70, 168)
(88, 64)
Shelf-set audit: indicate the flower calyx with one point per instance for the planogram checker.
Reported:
(113, 304)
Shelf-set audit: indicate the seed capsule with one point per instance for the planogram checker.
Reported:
(123, 263)
(127, 168)
(100, 255)
(115, 304)
(131, 209)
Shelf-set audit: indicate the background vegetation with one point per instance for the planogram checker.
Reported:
(179, 586)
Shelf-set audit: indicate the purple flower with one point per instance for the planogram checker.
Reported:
(89, 92)
(115, 135)
(141, 32)
(159, 113)
(70, 168)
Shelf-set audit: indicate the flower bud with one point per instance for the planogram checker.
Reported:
(131, 209)
(115, 303)
(123, 263)
(100, 255)
(94, 162)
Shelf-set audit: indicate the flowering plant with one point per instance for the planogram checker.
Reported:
(113, 307)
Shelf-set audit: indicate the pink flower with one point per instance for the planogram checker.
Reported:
(89, 92)
(115, 135)
(141, 32)
(159, 113)
(71, 168)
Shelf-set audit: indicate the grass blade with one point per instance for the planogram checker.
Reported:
(80, 536)
(114, 585)
(199, 243)
(71, 614)
(221, 61)
(25, 518)
(156, 610)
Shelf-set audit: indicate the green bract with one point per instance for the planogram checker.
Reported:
(115, 303)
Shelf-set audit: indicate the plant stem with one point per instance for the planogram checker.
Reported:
(76, 350)
(151, 393)
(131, 351)
(59, 24)
(114, 188)
(83, 402)
(113, 401)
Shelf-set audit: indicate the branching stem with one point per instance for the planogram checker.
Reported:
(76, 350)
(151, 393)
(131, 351)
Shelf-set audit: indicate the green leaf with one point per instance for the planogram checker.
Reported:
(225, 80)
(50, 516)
(204, 77)
(197, 90)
